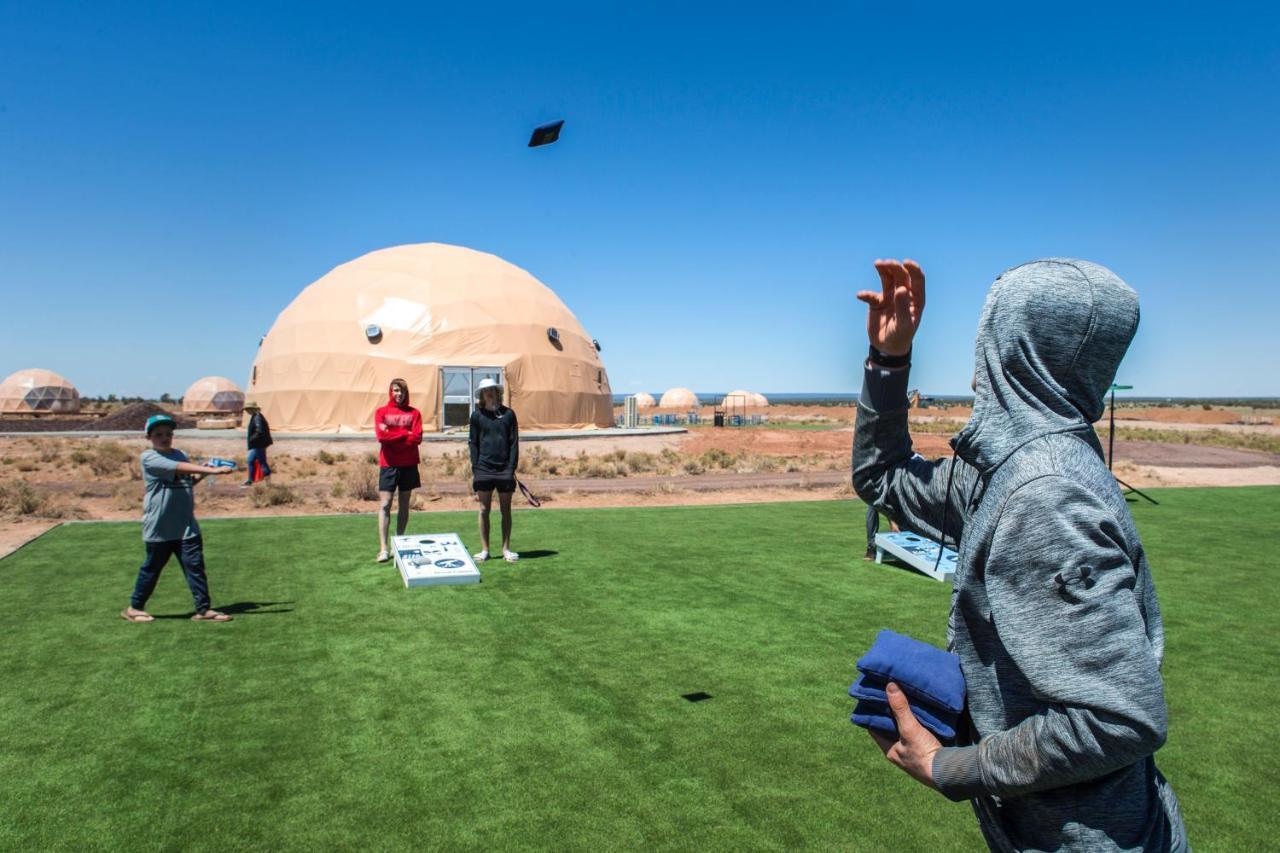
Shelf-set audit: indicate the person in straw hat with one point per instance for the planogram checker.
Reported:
(258, 437)
(495, 454)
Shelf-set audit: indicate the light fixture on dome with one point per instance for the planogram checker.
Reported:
(553, 334)
(595, 343)
(373, 332)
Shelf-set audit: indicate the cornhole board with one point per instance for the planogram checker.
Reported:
(917, 552)
(433, 559)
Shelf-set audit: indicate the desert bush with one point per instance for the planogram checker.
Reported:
(360, 484)
(602, 470)
(693, 466)
(639, 461)
(127, 496)
(324, 457)
(27, 465)
(534, 460)
(48, 451)
(306, 468)
(80, 456)
(718, 458)
(108, 458)
(371, 458)
(17, 497)
(669, 456)
(272, 494)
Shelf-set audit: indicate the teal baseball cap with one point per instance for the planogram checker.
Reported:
(160, 420)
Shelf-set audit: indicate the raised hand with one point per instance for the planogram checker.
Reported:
(893, 314)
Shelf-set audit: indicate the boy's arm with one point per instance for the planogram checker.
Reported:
(1061, 587)
(513, 445)
(473, 441)
(386, 434)
(414, 436)
(887, 474)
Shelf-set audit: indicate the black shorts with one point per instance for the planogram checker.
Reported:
(493, 482)
(401, 478)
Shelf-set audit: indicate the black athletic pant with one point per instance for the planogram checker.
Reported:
(190, 553)
(873, 525)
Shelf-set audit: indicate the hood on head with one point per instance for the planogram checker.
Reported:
(1050, 340)
(391, 394)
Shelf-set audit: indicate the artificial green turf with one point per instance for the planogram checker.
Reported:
(542, 707)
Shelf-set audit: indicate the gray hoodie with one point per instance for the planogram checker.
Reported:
(1053, 612)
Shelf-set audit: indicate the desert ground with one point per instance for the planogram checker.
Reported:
(803, 451)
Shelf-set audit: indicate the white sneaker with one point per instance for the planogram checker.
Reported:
(383, 556)
(510, 556)
(481, 557)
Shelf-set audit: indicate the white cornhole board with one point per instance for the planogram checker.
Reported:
(433, 559)
(917, 552)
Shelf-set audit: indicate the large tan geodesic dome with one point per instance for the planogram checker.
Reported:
(37, 390)
(749, 399)
(213, 395)
(644, 401)
(442, 318)
(678, 398)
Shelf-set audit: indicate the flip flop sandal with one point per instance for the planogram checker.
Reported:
(137, 620)
(221, 617)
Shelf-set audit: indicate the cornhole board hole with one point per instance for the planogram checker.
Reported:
(917, 552)
(433, 559)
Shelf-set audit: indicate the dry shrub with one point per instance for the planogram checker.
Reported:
(361, 484)
(306, 468)
(49, 451)
(639, 462)
(80, 456)
(718, 458)
(108, 458)
(272, 494)
(27, 466)
(324, 457)
(128, 496)
(371, 458)
(17, 497)
(693, 466)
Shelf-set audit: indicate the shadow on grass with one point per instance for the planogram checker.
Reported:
(239, 608)
(536, 555)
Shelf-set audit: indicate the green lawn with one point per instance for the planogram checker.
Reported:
(542, 707)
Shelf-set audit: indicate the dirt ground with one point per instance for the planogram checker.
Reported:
(803, 453)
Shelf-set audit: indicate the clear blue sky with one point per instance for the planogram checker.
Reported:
(172, 174)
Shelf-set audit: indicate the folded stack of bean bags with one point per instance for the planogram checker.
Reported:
(930, 678)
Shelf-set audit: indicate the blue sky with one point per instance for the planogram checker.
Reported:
(171, 175)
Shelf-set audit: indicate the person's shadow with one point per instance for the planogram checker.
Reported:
(239, 608)
(536, 555)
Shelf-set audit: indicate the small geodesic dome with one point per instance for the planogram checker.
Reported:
(213, 394)
(749, 399)
(644, 401)
(678, 398)
(37, 390)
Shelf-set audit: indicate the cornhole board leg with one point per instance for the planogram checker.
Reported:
(918, 552)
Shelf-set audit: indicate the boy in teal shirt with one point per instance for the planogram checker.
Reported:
(169, 522)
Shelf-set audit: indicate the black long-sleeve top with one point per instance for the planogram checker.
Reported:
(495, 442)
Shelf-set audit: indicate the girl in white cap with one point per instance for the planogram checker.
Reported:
(495, 454)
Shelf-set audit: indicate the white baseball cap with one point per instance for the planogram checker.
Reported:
(487, 382)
